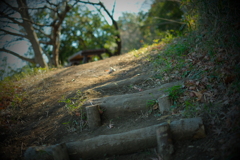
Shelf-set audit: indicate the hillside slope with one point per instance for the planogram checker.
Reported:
(51, 114)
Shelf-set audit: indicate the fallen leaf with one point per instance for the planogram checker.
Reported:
(139, 89)
(155, 106)
(100, 111)
(226, 102)
(163, 117)
(111, 70)
(191, 94)
(192, 88)
(135, 87)
(197, 83)
(77, 114)
(217, 131)
(220, 49)
(110, 125)
(198, 94)
(209, 94)
(229, 79)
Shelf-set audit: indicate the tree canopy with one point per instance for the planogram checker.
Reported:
(61, 28)
(138, 29)
(42, 26)
(83, 29)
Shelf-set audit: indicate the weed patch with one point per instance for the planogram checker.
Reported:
(75, 102)
(74, 105)
(151, 103)
(11, 94)
(189, 109)
(174, 92)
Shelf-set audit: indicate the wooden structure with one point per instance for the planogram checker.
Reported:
(85, 55)
(93, 117)
(159, 135)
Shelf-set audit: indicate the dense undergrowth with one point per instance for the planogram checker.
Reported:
(207, 58)
(12, 93)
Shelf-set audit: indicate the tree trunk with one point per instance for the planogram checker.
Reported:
(129, 104)
(31, 34)
(119, 45)
(56, 46)
(56, 34)
(93, 117)
(37, 49)
(124, 143)
(164, 141)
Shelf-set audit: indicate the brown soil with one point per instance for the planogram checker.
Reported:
(43, 120)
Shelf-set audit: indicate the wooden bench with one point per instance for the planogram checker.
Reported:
(85, 55)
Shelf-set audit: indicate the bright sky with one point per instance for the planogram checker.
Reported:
(133, 6)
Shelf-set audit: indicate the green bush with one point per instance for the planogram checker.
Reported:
(11, 94)
(216, 23)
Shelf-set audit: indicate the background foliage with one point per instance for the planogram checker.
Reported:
(83, 29)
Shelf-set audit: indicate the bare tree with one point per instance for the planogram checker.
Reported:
(34, 30)
(58, 11)
(8, 14)
(31, 30)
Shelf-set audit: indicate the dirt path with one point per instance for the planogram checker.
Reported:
(44, 120)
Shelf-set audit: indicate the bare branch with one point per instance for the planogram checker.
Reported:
(56, 5)
(74, 4)
(11, 18)
(118, 37)
(3, 22)
(104, 8)
(14, 34)
(92, 3)
(17, 55)
(45, 7)
(99, 11)
(111, 17)
(63, 14)
(170, 20)
(53, 9)
(13, 29)
(113, 7)
(25, 19)
(38, 24)
(41, 31)
(38, 8)
(14, 8)
(46, 42)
